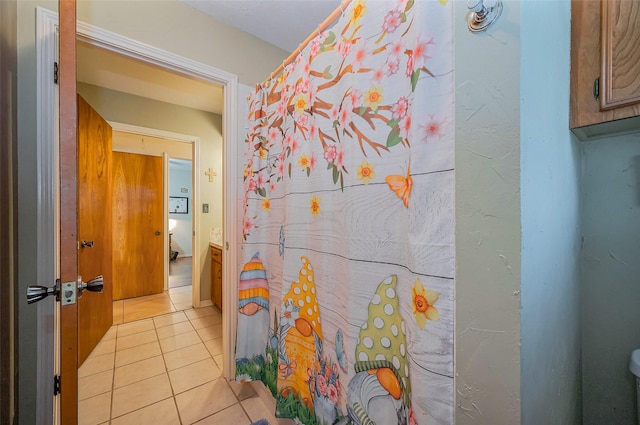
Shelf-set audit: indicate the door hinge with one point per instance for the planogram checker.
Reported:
(56, 385)
(596, 88)
(55, 72)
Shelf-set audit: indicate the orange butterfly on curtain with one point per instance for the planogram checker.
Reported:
(401, 185)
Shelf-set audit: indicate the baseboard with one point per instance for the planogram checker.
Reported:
(205, 303)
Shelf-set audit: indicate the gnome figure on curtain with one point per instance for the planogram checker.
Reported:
(380, 392)
(300, 336)
(253, 320)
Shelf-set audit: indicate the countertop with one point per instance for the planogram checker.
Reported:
(215, 245)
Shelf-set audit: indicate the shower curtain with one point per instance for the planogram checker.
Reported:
(346, 293)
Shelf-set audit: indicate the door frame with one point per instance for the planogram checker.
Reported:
(195, 161)
(46, 48)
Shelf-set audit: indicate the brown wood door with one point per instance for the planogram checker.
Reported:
(68, 209)
(95, 310)
(138, 230)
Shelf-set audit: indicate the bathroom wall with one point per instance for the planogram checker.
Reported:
(487, 98)
(179, 179)
(550, 158)
(611, 277)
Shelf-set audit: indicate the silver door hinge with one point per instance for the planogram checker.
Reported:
(55, 72)
(56, 385)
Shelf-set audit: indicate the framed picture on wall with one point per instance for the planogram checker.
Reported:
(178, 205)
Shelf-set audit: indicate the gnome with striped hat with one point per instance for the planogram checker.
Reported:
(253, 312)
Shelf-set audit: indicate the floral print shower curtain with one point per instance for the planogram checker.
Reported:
(346, 294)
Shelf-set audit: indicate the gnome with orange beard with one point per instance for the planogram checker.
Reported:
(380, 392)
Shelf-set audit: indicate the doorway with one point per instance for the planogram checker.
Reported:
(46, 93)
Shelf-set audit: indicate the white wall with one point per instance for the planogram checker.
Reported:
(611, 277)
(550, 202)
(179, 179)
(487, 84)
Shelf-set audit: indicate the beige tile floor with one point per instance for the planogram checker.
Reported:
(164, 369)
(131, 309)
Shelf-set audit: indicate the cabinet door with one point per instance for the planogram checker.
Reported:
(621, 31)
(620, 35)
(216, 284)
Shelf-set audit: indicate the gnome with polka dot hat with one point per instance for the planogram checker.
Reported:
(301, 331)
(380, 392)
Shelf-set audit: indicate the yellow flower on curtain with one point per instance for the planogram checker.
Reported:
(266, 204)
(423, 300)
(365, 172)
(358, 11)
(315, 206)
(373, 97)
(301, 103)
(304, 162)
(262, 153)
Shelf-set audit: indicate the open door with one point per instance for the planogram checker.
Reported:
(95, 309)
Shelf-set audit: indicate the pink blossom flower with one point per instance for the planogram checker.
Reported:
(303, 120)
(272, 186)
(340, 157)
(392, 65)
(405, 127)
(294, 145)
(281, 168)
(410, 68)
(334, 112)
(252, 185)
(433, 128)
(354, 96)
(332, 393)
(273, 135)
(396, 49)
(400, 108)
(312, 162)
(315, 47)
(322, 385)
(343, 47)
(281, 109)
(361, 52)
(344, 117)
(422, 50)
(392, 21)
(313, 131)
(330, 153)
(377, 75)
(247, 225)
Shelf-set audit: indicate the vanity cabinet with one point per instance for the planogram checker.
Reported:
(605, 66)
(216, 276)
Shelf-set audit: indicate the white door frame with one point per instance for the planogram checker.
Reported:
(47, 115)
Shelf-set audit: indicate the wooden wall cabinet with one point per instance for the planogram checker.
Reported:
(216, 276)
(605, 66)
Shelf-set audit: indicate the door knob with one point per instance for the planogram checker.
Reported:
(94, 285)
(37, 293)
(65, 292)
(158, 233)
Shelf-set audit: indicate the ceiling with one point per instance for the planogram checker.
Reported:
(283, 23)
